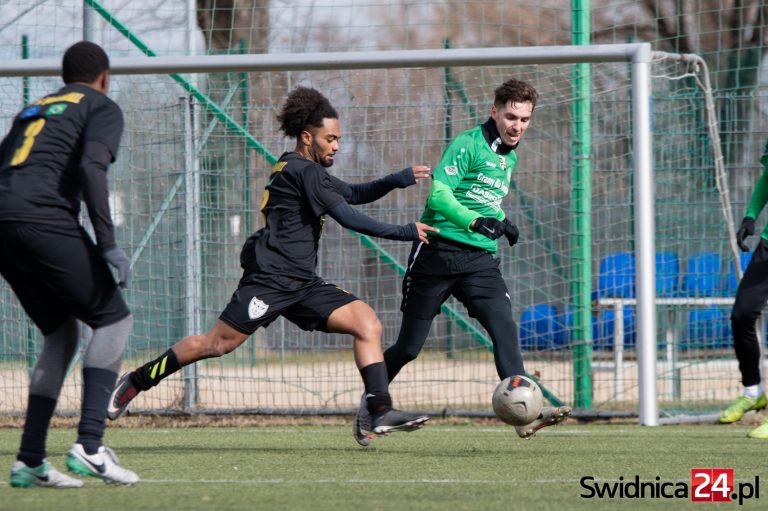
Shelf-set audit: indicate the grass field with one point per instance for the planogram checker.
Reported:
(445, 466)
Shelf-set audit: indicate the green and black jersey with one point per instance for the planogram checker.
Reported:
(470, 181)
(760, 193)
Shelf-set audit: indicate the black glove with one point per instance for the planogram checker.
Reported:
(489, 227)
(117, 258)
(747, 229)
(511, 232)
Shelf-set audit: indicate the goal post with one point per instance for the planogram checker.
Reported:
(638, 135)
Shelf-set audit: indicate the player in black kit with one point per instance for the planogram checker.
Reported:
(55, 155)
(279, 264)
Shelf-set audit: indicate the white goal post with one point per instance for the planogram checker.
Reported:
(638, 55)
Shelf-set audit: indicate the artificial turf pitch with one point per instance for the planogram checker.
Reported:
(441, 467)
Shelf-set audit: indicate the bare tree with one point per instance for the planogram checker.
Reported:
(227, 22)
(243, 26)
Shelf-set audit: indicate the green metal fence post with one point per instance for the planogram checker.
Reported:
(581, 281)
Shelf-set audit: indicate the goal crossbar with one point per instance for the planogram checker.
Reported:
(636, 53)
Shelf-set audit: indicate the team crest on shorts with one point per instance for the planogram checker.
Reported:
(256, 308)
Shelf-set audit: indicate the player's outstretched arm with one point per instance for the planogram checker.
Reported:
(363, 193)
(352, 219)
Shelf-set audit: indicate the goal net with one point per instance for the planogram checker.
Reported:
(199, 160)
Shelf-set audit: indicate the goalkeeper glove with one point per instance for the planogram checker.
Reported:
(489, 227)
(511, 232)
(117, 258)
(747, 229)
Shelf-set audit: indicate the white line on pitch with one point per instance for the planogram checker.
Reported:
(356, 481)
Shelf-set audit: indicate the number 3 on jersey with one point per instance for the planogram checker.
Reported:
(22, 153)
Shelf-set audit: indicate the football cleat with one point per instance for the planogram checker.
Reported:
(549, 416)
(44, 476)
(122, 395)
(104, 465)
(760, 432)
(393, 420)
(362, 428)
(740, 406)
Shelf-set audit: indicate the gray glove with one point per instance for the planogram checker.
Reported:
(117, 258)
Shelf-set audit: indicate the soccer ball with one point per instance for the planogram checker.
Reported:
(517, 400)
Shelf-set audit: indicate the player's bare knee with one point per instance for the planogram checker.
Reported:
(220, 345)
(369, 329)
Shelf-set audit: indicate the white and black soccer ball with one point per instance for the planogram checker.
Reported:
(517, 400)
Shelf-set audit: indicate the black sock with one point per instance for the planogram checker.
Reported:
(97, 387)
(39, 412)
(376, 387)
(151, 373)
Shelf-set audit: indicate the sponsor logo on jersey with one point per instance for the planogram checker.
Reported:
(257, 308)
(490, 164)
(485, 197)
(492, 181)
(451, 170)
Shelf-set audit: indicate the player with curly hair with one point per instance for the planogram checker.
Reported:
(279, 264)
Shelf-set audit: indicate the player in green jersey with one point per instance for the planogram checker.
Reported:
(468, 187)
(751, 296)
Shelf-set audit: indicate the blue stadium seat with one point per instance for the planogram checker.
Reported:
(605, 325)
(732, 282)
(563, 328)
(708, 328)
(538, 324)
(667, 274)
(616, 277)
(704, 276)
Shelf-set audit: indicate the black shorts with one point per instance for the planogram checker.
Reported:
(441, 269)
(259, 300)
(58, 273)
